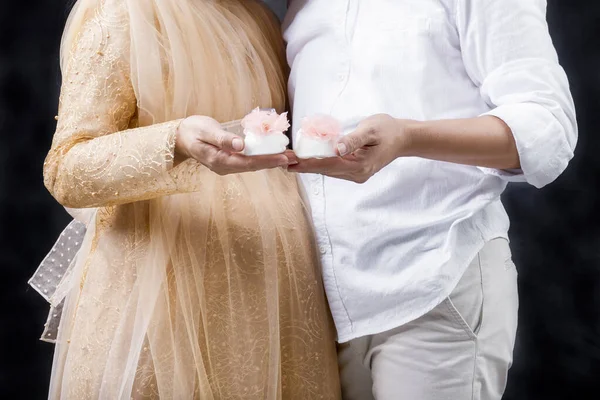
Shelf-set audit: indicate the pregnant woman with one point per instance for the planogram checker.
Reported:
(197, 277)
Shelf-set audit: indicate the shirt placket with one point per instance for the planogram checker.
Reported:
(319, 208)
(344, 23)
(319, 182)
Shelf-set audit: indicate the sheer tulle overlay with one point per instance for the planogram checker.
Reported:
(188, 285)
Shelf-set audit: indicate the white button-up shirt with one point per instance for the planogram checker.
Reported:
(395, 247)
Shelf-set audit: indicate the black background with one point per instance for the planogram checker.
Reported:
(555, 231)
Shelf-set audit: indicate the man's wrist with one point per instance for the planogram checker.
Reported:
(409, 137)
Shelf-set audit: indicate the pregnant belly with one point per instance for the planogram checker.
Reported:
(243, 221)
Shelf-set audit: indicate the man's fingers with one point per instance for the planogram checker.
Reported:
(361, 137)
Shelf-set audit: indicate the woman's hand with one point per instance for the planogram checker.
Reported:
(203, 139)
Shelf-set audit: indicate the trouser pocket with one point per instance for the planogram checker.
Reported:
(465, 303)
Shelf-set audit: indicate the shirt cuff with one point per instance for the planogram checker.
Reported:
(509, 175)
(544, 151)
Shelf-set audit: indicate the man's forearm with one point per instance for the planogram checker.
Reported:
(483, 141)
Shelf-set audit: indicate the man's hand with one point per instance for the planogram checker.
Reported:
(482, 141)
(203, 139)
(376, 142)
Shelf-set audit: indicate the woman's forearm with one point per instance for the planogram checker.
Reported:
(483, 141)
(117, 168)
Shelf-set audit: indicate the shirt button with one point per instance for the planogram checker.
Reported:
(323, 249)
(316, 191)
(341, 77)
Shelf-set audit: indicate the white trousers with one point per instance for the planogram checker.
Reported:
(461, 350)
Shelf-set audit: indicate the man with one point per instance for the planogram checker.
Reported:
(453, 98)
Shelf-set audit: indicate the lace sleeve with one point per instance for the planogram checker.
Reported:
(95, 160)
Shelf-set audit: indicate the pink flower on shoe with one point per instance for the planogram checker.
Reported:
(322, 127)
(265, 122)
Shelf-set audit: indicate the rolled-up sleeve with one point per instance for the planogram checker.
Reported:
(508, 53)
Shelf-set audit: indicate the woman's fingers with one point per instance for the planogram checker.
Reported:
(292, 157)
(223, 162)
(222, 140)
(240, 163)
(219, 150)
(213, 134)
(208, 130)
